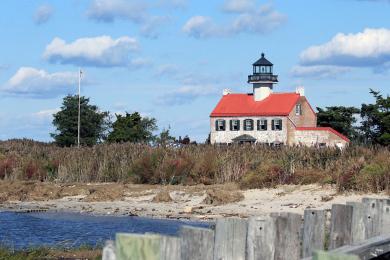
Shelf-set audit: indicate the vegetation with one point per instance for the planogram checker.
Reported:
(374, 127)
(339, 118)
(50, 253)
(132, 128)
(355, 168)
(94, 123)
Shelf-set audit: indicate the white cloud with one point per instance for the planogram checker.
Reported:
(370, 48)
(258, 20)
(45, 115)
(31, 82)
(319, 71)
(239, 6)
(109, 10)
(43, 14)
(135, 11)
(102, 51)
(166, 69)
(185, 95)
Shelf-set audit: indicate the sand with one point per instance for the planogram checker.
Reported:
(190, 202)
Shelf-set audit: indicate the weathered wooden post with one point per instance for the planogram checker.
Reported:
(373, 220)
(170, 248)
(341, 225)
(136, 246)
(196, 243)
(386, 217)
(313, 231)
(287, 243)
(230, 239)
(109, 251)
(321, 255)
(274, 237)
(260, 238)
(358, 221)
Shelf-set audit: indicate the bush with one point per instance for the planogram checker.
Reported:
(355, 168)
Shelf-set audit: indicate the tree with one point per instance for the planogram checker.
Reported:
(132, 128)
(339, 118)
(165, 138)
(94, 123)
(376, 120)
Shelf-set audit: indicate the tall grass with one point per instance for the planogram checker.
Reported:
(355, 168)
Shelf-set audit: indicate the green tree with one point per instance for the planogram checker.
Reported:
(165, 138)
(339, 118)
(376, 119)
(132, 128)
(94, 123)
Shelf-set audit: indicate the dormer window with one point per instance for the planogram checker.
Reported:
(277, 124)
(235, 125)
(298, 109)
(248, 125)
(220, 125)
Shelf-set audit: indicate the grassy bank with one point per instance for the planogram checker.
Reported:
(356, 168)
(49, 253)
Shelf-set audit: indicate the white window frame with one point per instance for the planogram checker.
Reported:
(260, 124)
(235, 125)
(251, 124)
(277, 122)
(221, 125)
(298, 109)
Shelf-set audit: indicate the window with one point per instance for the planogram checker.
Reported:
(248, 125)
(277, 125)
(262, 125)
(298, 109)
(220, 125)
(234, 125)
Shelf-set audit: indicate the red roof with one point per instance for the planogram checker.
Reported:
(276, 104)
(329, 129)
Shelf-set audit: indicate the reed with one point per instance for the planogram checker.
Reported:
(356, 168)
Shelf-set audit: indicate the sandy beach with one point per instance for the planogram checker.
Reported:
(184, 202)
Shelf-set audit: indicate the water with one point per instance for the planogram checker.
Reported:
(70, 230)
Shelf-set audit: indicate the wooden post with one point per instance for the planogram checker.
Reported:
(321, 255)
(260, 238)
(109, 251)
(358, 222)
(313, 231)
(170, 248)
(196, 243)
(287, 243)
(230, 239)
(136, 246)
(341, 226)
(373, 220)
(386, 217)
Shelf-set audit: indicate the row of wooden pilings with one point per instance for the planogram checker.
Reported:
(282, 236)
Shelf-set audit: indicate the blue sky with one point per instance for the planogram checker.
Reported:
(171, 59)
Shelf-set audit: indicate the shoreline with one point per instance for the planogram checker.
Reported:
(180, 202)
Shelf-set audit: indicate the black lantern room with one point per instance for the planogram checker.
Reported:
(262, 71)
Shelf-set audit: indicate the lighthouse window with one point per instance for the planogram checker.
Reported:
(262, 125)
(277, 124)
(234, 125)
(298, 109)
(220, 125)
(248, 125)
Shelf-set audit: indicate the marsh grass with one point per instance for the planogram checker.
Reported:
(356, 168)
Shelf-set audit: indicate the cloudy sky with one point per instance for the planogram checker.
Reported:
(171, 59)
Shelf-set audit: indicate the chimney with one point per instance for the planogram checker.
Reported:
(261, 93)
(226, 91)
(300, 90)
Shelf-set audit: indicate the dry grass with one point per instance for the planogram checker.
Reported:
(221, 196)
(162, 196)
(356, 168)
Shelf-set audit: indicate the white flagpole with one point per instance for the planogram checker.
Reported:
(78, 118)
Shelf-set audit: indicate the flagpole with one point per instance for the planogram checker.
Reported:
(79, 115)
